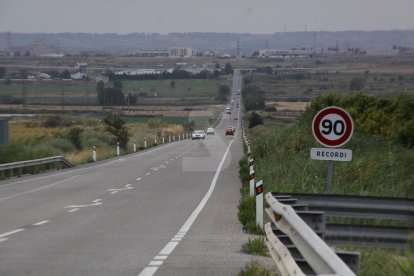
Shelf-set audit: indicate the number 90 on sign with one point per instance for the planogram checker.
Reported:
(332, 126)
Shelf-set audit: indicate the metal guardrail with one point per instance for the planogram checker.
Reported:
(33, 163)
(317, 254)
(356, 206)
(381, 210)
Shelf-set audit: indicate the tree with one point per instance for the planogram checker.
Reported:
(255, 119)
(65, 74)
(172, 84)
(116, 126)
(228, 69)
(224, 91)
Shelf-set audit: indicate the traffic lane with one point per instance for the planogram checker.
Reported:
(99, 240)
(213, 245)
(38, 200)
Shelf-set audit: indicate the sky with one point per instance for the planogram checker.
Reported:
(236, 16)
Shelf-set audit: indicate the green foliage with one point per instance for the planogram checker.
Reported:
(2, 72)
(57, 121)
(19, 152)
(255, 119)
(253, 98)
(58, 146)
(74, 137)
(90, 138)
(116, 126)
(256, 247)
(256, 269)
(223, 93)
(247, 215)
(110, 95)
(228, 69)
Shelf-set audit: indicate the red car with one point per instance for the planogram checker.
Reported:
(230, 130)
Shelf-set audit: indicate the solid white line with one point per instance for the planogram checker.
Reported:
(170, 246)
(41, 222)
(149, 271)
(11, 232)
(160, 257)
(38, 189)
(156, 263)
(73, 210)
(138, 179)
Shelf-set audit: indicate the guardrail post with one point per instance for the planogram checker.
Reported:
(179, 137)
(163, 139)
(259, 203)
(117, 148)
(155, 141)
(145, 143)
(94, 153)
(135, 146)
(251, 177)
(173, 137)
(169, 138)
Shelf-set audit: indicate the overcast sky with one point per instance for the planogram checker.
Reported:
(238, 16)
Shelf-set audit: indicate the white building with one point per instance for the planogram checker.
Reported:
(181, 52)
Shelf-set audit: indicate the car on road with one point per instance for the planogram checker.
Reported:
(230, 130)
(210, 131)
(198, 134)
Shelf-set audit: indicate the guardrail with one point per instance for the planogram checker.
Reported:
(381, 211)
(42, 164)
(310, 247)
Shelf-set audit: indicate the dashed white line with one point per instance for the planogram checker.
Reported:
(11, 232)
(160, 257)
(138, 179)
(147, 173)
(168, 248)
(114, 192)
(73, 210)
(149, 271)
(41, 222)
(156, 262)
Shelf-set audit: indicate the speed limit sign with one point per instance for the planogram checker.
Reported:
(332, 127)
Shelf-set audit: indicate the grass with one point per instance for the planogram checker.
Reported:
(256, 247)
(184, 92)
(256, 269)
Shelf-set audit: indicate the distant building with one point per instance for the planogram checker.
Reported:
(181, 52)
(150, 53)
(78, 76)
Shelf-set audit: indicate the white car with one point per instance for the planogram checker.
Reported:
(198, 134)
(210, 131)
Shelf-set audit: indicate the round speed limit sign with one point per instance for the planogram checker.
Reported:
(332, 127)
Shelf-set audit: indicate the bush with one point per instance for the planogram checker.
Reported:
(256, 247)
(58, 144)
(255, 119)
(255, 269)
(74, 137)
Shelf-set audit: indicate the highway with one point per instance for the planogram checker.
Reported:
(169, 210)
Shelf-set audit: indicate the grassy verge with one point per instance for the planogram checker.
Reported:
(256, 247)
(256, 269)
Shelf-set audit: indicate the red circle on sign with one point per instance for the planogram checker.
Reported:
(347, 120)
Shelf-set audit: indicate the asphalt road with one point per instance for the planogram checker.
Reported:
(170, 210)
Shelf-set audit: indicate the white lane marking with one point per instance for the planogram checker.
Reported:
(114, 192)
(11, 232)
(41, 222)
(138, 179)
(38, 189)
(157, 263)
(96, 200)
(147, 173)
(73, 210)
(3, 239)
(170, 246)
(76, 207)
(160, 257)
(166, 162)
(149, 271)
(172, 159)
(85, 169)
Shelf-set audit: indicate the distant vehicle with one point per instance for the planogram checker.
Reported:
(198, 134)
(210, 131)
(230, 130)
(228, 111)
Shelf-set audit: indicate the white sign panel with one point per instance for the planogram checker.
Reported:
(331, 154)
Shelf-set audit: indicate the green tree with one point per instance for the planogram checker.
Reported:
(65, 74)
(116, 126)
(255, 119)
(224, 91)
(228, 69)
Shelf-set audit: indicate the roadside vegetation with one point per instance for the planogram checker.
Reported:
(74, 136)
(383, 154)
(255, 268)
